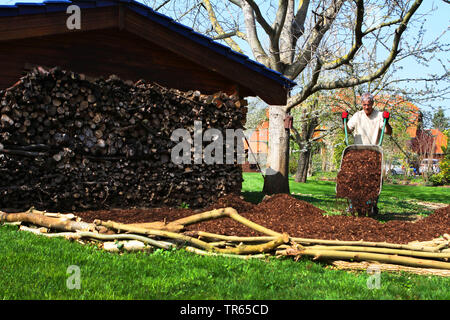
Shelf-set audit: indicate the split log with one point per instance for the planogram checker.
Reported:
(158, 225)
(214, 236)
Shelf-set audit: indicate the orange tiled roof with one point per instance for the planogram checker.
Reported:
(441, 141)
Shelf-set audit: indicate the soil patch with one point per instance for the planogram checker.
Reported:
(284, 213)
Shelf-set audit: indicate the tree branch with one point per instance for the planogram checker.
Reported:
(218, 28)
(277, 28)
(345, 83)
(358, 40)
(259, 17)
(252, 34)
(298, 24)
(230, 34)
(325, 21)
(382, 25)
(307, 90)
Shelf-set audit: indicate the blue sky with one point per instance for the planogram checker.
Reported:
(434, 25)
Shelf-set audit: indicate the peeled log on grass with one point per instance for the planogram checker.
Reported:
(239, 256)
(102, 237)
(362, 266)
(158, 225)
(244, 249)
(257, 248)
(401, 252)
(178, 225)
(363, 256)
(226, 212)
(38, 218)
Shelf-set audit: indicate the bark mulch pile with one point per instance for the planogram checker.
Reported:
(359, 178)
(284, 213)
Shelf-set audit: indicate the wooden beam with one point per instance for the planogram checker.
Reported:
(269, 90)
(105, 52)
(122, 12)
(38, 25)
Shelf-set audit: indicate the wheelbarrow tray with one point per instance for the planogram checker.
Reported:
(376, 148)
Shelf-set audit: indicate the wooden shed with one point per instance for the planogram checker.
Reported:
(132, 41)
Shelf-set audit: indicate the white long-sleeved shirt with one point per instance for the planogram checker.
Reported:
(366, 129)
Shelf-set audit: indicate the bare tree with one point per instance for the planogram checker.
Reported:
(315, 42)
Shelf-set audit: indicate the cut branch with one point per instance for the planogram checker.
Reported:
(329, 254)
(38, 218)
(218, 28)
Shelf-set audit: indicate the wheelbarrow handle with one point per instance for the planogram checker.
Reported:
(346, 133)
(382, 132)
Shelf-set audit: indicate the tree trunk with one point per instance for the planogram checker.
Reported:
(305, 137)
(277, 178)
(303, 165)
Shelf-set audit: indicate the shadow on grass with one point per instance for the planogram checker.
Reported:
(253, 196)
(394, 209)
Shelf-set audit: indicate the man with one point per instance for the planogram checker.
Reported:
(366, 124)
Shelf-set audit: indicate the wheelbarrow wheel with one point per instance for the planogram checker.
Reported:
(373, 211)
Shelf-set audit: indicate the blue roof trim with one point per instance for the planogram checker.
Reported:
(8, 11)
(30, 8)
(24, 8)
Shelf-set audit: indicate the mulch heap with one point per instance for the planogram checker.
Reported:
(284, 213)
(359, 179)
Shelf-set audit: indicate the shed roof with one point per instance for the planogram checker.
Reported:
(47, 20)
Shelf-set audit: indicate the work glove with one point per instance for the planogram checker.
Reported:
(344, 115)
(386, 115)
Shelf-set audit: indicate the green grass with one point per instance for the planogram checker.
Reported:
(33, 267)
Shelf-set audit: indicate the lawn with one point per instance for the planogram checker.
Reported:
(33, 267)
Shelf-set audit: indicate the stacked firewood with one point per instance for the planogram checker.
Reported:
(70, 142)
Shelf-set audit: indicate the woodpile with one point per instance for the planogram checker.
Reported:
(69, 142)
(429, 257)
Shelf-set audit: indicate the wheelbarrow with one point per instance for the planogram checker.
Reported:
(372, 204)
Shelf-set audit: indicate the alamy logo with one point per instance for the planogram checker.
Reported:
(373, 282)
(74, 20)
(74, 280)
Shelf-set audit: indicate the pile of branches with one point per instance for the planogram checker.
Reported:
(69, 142)
(430, 257)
